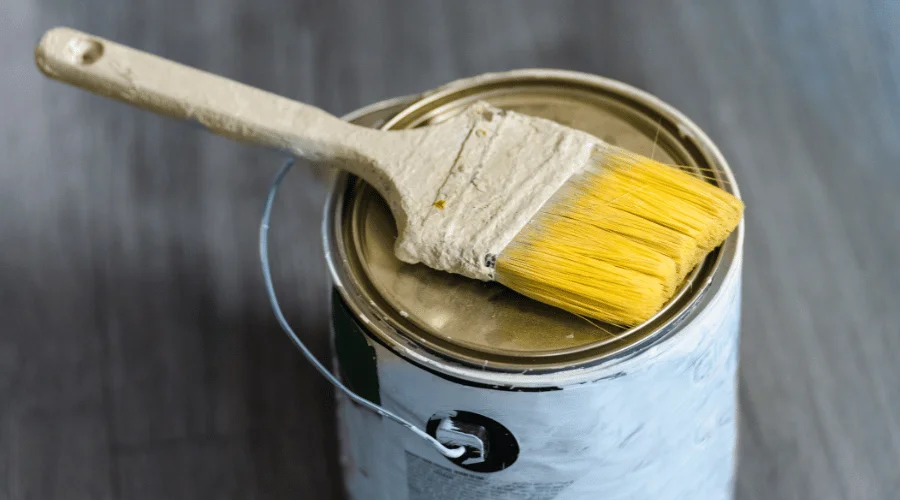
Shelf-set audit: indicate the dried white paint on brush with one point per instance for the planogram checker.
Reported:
(462, 213)
(459, 190)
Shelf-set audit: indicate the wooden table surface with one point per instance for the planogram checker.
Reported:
(139, 358)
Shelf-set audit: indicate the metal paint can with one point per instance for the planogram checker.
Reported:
(566, 409)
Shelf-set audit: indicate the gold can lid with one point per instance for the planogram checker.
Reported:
(487, 322)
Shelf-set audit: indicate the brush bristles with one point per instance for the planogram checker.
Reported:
(618, 239)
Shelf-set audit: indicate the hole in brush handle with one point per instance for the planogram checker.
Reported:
(85, 51)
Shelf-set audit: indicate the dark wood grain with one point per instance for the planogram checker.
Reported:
(139, 359)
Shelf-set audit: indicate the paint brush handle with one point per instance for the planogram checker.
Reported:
(223, 106)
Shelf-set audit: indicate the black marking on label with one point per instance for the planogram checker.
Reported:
(490, 260)
(358, 364)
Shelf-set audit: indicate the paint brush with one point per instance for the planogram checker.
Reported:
(551, 212)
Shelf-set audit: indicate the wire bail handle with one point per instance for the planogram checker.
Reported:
(449, 452)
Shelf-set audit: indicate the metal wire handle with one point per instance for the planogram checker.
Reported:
(455, 452)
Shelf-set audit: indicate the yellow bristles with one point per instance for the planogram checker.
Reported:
(618, 239)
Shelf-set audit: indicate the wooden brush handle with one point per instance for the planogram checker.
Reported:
(225, 107)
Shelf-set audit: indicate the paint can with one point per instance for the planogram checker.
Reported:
(551, 406)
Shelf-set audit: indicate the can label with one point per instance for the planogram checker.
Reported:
(426, 480)
(659, 425)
